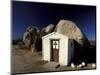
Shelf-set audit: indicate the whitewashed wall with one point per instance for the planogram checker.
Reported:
(46, 49)
(63, 50)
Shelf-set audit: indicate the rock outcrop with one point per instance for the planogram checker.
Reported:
(30, 37)
(70, 29)
(48, 29)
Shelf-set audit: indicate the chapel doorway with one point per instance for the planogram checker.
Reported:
(55, 50)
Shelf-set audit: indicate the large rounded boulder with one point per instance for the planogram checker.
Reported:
(71, 30)
(48, 29)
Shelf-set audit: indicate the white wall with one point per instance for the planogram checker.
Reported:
(46, 49)
(63, 50)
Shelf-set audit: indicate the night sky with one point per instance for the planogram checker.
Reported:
(25, 14)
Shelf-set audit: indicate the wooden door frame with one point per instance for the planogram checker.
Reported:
(51, 49)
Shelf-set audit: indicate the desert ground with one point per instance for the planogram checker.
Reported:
(25, 61)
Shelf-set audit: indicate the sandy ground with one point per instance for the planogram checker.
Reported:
(24, 61)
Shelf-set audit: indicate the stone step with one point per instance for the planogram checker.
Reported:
(52, 65)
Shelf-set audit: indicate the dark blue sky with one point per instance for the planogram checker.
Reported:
(42, 14)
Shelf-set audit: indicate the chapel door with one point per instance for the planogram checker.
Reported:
(55, 50)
